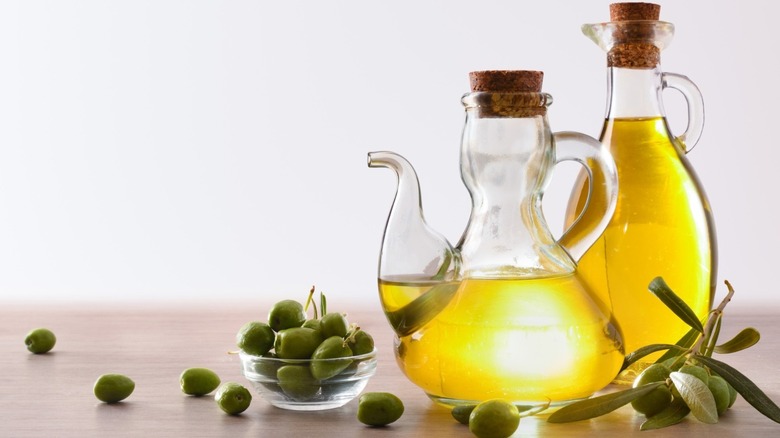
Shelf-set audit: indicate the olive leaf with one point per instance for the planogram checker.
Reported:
(660, 289)
(422, 309)
(697, 396)
(745, 339)
(528, 410)
(673, 414)
(712, 337)
(646, 350)
(310, 300)
(597, 406)
(744, 386)
(686, 342)
(445, 266)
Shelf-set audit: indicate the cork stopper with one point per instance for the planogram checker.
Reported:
(507, 93)
(634, 47)
(634, 11)
(506, 81)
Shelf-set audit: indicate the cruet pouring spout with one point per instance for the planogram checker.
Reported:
(412, 252)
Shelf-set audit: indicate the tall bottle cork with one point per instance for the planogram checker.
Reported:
(508, 93)
(633, 41)
(634, 11)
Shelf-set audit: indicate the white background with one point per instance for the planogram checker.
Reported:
(193, 150)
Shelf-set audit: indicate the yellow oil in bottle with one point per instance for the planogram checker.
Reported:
(662, 226)
(524, 340)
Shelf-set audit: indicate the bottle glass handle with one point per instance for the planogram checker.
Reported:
(602, 192)
(695, 101)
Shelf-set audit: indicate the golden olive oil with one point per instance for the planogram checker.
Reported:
(662, 226)
(524, 340)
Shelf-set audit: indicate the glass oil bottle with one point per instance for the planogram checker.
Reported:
(662, 225)
(502, 314)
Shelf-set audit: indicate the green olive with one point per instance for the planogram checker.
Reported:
(692, 370)
(674, 363)
(268, 368)
(313, 324)
(255, 338)
(494, 419)
(323, 365)
(732, 395)
(286, 314)
(297, 382)
(379, 408)
(461, 413)
(233, 398)
(40, 340)
(296, 343)
(198, 381)
(658, 399)
(720, 390)
(112, 388)
(361, 343)
(334, 324)
(696, 371)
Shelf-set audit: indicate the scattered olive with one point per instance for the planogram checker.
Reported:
(112, 388)
(461, 413)
(379, 408)
(40, 340)
(198, 381)
(494, 419)
(233, 398)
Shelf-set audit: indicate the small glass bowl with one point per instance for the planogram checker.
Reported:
(306, 393)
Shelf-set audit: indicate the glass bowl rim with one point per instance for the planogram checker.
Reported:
(245, 357)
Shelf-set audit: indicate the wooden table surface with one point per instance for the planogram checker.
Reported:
(50, 395)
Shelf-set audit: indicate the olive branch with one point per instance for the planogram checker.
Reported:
(691, 394)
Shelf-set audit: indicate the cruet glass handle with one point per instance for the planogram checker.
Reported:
(693, 96)
(602, 189)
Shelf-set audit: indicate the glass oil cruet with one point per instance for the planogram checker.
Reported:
(503, 314)
(662, 225)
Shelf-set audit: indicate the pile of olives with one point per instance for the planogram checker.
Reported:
(328, 343)
(662, 397)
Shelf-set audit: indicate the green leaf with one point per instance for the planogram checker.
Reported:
(745, 339)
(598, 406)
(646, 350)
(746, 388)
(659, 287)
(528, 410)
(697, 396)
(685, 342)
(673, 414)
(712, 339)
(423, 309)
(445, 266)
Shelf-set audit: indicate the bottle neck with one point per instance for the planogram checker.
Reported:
(634, 93)
(505, 164)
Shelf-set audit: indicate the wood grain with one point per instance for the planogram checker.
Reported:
(51, 395)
